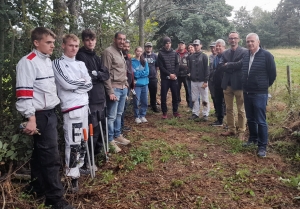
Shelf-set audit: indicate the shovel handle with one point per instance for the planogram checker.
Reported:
(85, 135)
(91, 130)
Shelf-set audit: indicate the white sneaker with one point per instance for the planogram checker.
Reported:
(115, 147)
(137, 120)
(121, 140)
(144, 120)
(95, 167)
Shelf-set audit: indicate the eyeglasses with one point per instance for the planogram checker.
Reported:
(233, 38)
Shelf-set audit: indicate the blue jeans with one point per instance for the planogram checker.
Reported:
(255, 107)
(115, 110)
(141, 99)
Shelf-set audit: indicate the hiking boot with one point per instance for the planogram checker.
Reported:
(204, 118)
(164, 116)
(121, 140)
(126, 128)
(194, 117)
(216, 123)
(144, 120)
(74, 186)
(62, 204)
(138, 121)
(176, 115)
(228, 133)
(262, 153)
(84, 171)
(155, 109)
(115, 147)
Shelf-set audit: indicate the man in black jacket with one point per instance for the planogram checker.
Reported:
(183, 71)
(231, 64)
(98, 73)
(259, 73)
(151, 59)
(199, 74)
(169, 66)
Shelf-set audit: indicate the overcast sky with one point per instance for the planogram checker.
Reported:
(268, 5)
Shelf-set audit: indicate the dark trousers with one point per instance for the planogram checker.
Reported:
(152, 86)
(219, 103)
(182, 80)
(165, 86)
(125, 107)
(255, 107)
(97, 115)
(45, 160)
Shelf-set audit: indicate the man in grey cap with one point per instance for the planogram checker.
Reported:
(210, 83)
(199, 73)
(151, 58)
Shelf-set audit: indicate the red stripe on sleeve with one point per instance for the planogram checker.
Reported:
(24, 93)
(31, 56)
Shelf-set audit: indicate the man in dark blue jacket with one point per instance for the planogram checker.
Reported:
(168, 65)
(259, 73)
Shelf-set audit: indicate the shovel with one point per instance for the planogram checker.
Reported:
(85, 137)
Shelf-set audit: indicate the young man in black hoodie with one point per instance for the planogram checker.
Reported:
(99, 74)
(168, 64)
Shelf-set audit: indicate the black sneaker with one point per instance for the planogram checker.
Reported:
(155, 109)
(193, 117)
(84, 171)
(216, 123)
(262, 153)
(126, 128)
(62, 204)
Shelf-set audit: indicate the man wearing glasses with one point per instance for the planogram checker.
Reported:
(231, 65)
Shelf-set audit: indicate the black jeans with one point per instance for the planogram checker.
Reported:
(165, 86)
(45, 160)
(152, 86)
(182, 80)
(219, 104)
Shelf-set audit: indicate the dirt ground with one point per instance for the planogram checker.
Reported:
(178, 163)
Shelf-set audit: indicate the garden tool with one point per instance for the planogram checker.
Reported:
(85, 137)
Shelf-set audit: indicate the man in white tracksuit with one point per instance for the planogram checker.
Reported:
(199, 74)
(73, 82)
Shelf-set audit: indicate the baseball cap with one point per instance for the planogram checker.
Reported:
(212, 44)
(148, 44)
(181, 42)
(196, 42)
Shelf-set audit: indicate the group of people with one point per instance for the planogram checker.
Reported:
(236, 74)
(89, 88)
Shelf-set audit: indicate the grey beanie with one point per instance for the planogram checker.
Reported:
(166, 40)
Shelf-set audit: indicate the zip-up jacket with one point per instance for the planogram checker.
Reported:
(183, 68)
(93, 62)
(113, 59)
(73, 82)
(140, 73)
(35, 87)
(262, 73)
(167, 63)
(151, 59)
(198, 67)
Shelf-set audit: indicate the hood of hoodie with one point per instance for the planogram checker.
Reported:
(182, 53)
(83, 49)
(163, 49)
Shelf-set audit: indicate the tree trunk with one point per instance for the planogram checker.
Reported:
(141, 23)
(59, 20)
(74, 8)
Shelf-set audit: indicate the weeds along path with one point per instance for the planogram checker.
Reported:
(178, 163)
